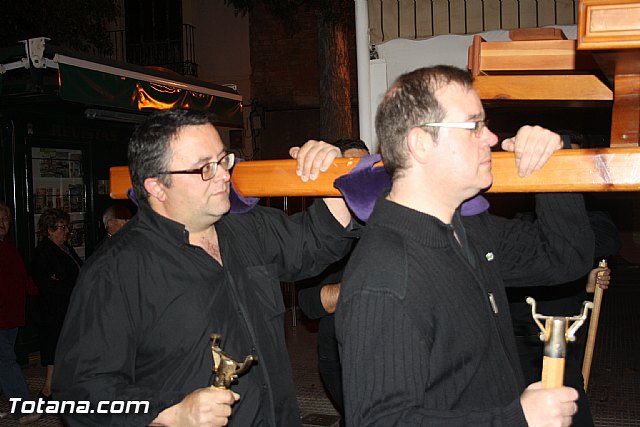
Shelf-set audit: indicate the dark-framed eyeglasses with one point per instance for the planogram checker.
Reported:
(208, 170)
(61, 226)
(476, 126)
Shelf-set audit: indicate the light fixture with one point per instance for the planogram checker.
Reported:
(115, 116)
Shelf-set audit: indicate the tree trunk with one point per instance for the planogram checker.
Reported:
(335, 81)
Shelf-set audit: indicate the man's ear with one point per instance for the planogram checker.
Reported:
(419, 143)
(155, 188)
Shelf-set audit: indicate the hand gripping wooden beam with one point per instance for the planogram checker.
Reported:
(581, 170)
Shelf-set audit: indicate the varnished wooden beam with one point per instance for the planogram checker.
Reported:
(553, 87)
(542, 55)
(586, 170)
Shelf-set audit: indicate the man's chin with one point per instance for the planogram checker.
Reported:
(487, 187)
(225, 207)
(485, 183)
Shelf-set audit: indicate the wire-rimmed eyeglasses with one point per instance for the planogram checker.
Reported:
(476, 126)
(208, 170)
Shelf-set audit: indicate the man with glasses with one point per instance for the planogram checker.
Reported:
(139, 325)
(423, 320)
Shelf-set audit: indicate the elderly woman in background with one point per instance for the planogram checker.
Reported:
(55, 268)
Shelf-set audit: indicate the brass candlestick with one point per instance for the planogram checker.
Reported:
(225, 369)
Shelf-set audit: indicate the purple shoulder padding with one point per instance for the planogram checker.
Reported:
(240, 204)
(132, 196)
(363, 185)
(474, 206)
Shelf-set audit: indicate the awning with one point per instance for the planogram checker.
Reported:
(117, 86)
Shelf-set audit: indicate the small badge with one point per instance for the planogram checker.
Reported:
(489, 256)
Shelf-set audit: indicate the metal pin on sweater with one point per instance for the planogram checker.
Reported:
(225, 369)
(556, 333)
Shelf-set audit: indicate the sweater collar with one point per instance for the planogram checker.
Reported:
(424, 228)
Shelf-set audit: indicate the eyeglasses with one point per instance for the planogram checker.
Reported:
(208, 170)
(477, 126)
(61, 226)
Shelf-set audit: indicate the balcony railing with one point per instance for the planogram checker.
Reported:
(177, 55)
(418, 19)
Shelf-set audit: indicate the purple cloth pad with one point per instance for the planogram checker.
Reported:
(363, 185)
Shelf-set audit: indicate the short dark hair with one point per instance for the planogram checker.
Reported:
(350, 144)
(49, 219)
(150, 145)
(411, 100)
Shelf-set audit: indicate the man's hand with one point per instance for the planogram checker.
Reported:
(313, 157)
(533, 146)
(600, 276)
(329, 294)
(551, 407)
(210, 407)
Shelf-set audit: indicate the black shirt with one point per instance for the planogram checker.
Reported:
(146, 303)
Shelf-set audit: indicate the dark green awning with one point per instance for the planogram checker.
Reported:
(124, 89)
(118, 86)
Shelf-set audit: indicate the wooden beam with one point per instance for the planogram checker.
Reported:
(529, 34)
(625, 121)
(585, 170)
(556, 87)
(541, 55)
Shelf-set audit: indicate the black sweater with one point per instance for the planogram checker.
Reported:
(423, 322)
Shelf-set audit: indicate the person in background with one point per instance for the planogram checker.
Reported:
(146, 304)
(54, 268)
(423, 320)
(318, 298)
(563, 300)
(15, 285)
(114, 218)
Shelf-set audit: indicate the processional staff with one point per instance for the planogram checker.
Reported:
(593, 330)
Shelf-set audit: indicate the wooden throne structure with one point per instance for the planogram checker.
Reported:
(603, 64)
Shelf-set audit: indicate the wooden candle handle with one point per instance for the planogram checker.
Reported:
(552, 372)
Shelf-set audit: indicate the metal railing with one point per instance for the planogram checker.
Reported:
(178, 55)
(418, 19)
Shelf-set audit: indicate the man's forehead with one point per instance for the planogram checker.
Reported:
(202, 135)
(190, 130)
(454, 96)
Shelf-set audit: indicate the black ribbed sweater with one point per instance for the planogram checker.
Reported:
(423, 322)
